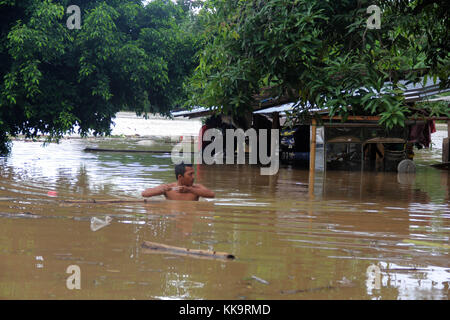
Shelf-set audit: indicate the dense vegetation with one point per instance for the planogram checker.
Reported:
(131, 56)
(54, 80)
(321, 53)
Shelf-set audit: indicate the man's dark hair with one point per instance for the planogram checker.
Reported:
(181, 169)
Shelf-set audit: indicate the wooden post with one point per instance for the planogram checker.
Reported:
(275, 120)
(312, 158)
(446, 146)
(445, 150)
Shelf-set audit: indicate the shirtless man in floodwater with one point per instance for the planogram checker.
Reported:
(183, 189)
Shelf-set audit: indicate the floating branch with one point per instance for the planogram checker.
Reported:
(184, 251)
(110, 201)
(404, 269)
(9, 199)
(132, 151)
(443, 166)
(307, 290)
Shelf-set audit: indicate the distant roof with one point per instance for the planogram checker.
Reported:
(445, 98)
(201, 111)
(194, 112)
(281, 109)
(414, 92)
(287, 107)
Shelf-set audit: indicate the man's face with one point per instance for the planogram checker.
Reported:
(188, 177)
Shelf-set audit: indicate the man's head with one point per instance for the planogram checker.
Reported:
(184, 174)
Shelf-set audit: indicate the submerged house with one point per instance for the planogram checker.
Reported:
(326, 143)
(360, 143)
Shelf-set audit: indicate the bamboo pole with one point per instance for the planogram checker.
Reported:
(131, 151)
(109, 201)
(184, 251)
(312, 158)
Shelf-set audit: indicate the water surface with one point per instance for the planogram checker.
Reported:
(287, 244)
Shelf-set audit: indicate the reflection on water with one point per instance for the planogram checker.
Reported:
(288, 246)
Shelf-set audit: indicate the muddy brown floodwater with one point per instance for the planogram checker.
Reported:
(287, 245)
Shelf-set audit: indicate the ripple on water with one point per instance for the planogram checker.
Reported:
(275, 229)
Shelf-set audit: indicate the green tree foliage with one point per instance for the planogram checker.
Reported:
(125, 56)
(320, 53)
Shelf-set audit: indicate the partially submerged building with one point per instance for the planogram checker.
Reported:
(360, 143)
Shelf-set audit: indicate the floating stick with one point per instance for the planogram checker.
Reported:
(307, 290)
(110, 201)
(131, 151)
(259, 279)
(184, 251)
(427, 243)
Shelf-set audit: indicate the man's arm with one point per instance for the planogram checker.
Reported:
(201, 191)
(162, 189)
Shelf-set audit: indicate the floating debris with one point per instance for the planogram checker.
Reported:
(259, 280)
(97, 224)
(19, 215)
(152, 246)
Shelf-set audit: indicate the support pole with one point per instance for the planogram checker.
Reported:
(448, 129)
(312, 158)
(446, 146)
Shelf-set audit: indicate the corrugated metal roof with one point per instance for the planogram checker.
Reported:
(288, 107)
(446, 98)
(189, 112)
(414, 92)
(281, 109)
